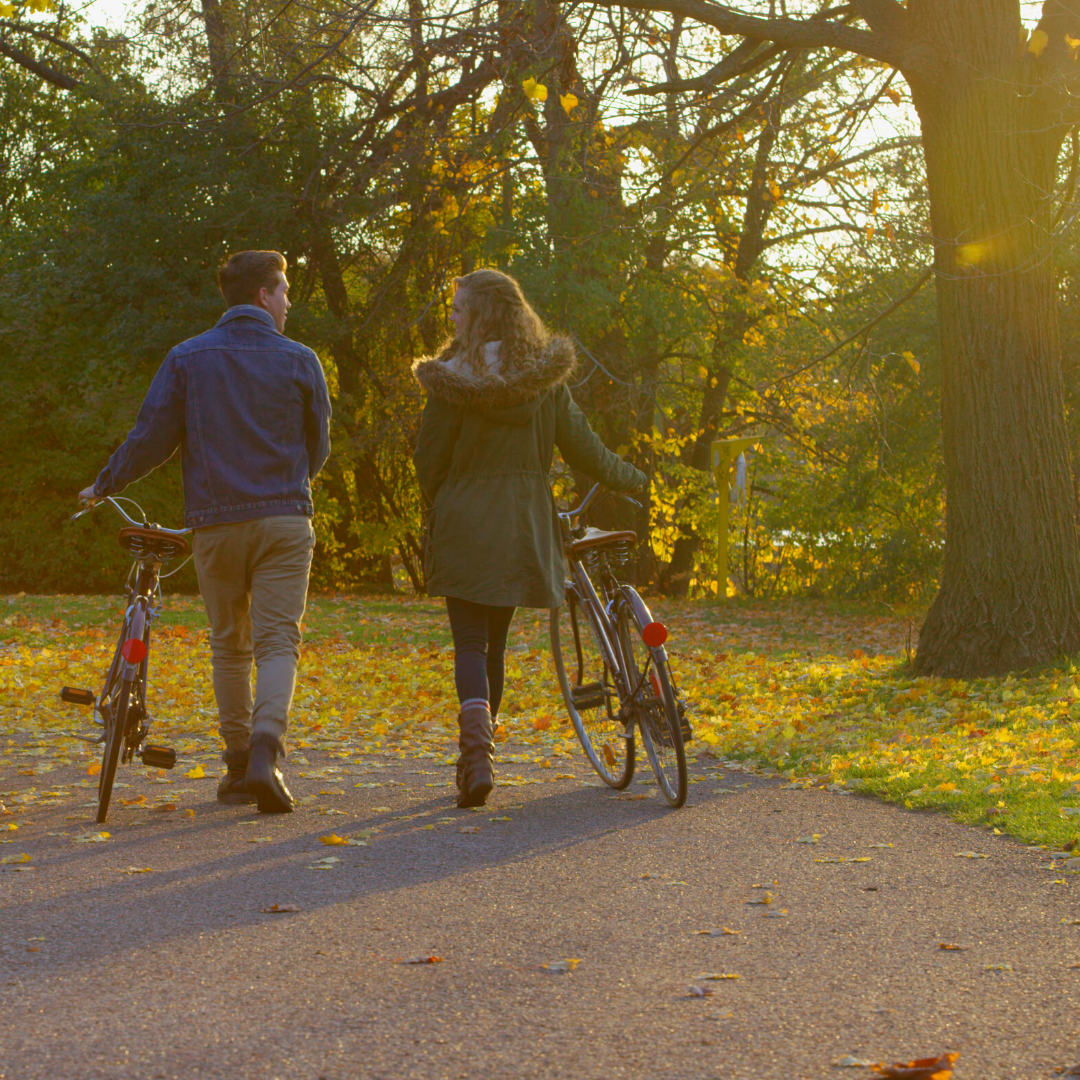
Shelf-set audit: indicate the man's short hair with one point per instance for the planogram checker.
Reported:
(246, 272)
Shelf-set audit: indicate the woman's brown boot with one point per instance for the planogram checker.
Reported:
(475, 772)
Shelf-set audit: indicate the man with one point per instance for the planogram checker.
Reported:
(250, 412)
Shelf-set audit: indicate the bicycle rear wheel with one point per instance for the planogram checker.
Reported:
(590, 692)
(116, 725)
(655, 703)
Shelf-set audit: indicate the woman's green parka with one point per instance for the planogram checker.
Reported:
(483, 456)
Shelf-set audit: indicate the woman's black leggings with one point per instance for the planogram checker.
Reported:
(479, 644)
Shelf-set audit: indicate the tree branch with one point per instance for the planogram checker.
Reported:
(42, 71)
(790, 33)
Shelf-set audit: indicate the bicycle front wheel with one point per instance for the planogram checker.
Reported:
(654, 701)
(590, 692)
(116, 725)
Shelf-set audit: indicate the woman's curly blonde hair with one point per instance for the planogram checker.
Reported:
(496, 310)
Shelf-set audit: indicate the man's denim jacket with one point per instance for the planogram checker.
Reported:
(248, 409)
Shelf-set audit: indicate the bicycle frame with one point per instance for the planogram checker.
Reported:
(131, 666)
(600, 607)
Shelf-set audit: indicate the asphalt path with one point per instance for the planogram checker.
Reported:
(152, 953)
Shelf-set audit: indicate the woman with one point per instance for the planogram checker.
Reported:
(497, 405)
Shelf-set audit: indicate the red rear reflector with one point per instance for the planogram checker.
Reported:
(654, 635)
(134, 650)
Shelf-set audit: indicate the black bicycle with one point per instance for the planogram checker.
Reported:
(616, 679)
(120, 709)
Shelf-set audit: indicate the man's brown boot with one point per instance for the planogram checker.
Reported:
(264, 779)
(476, 775)
(233, 789)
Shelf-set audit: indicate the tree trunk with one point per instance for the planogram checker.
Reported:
(1008, 596)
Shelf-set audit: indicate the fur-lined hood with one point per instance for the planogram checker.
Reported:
(493, 390)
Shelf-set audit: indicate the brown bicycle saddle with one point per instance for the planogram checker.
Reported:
(595, 538)
(140, 542)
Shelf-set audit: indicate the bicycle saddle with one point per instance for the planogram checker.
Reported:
(162, 543)
(595, 538)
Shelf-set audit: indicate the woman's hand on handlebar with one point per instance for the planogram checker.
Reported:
(87, 496)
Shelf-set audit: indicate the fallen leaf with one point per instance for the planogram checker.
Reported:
(469, 828)
(11, 860)
(560, 967)
(138, 870)
(196, 774)
(701, 991)
(939, 1068)
(997, 967)
(499, 819)
(95, 768)
(139, 800)
(165, 808)
(808, 839)
(950, 948)
(766, 899)
(971, 855)
(422, 960)
(92, 838)
(716, 976)
(187, 813)
(280, 909)
(881, 845)
(332, 839)
(849, 1062)
(719, 932)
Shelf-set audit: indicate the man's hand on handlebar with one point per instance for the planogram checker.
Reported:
(87, 497)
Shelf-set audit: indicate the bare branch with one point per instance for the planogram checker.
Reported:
(42, 71)
(789, 33)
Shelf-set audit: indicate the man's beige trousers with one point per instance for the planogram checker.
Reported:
(254, 577)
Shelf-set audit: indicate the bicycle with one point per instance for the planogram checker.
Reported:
(120, 709)
(623, 681)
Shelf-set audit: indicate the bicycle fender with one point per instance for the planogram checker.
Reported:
(644, 617)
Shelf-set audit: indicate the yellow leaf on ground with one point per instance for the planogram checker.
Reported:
(561, 967)
(197, 773)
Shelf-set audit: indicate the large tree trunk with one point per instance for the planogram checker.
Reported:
(1009, 594)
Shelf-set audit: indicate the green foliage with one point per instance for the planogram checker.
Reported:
(680, 265)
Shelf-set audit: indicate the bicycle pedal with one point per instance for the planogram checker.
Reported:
(77, 696)
(158, 757)
(588, 696)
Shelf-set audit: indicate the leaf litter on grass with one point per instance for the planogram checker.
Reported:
(790, 689)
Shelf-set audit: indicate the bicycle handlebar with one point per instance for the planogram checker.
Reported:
(144, 524)
(587, 502)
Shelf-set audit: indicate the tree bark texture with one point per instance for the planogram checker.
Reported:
(1009, 595)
